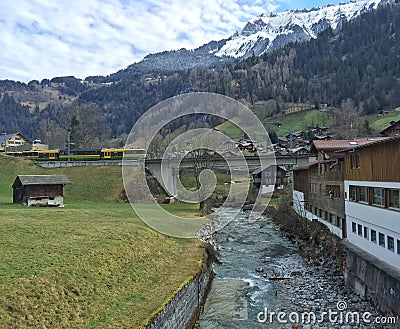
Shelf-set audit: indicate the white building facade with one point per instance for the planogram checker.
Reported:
(372, 199)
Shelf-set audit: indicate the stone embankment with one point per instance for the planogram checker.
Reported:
(183, 309)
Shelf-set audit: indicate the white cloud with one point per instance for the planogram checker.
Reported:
(43, 39)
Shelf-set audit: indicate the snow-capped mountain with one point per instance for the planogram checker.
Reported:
(261, 34)
(275, 30)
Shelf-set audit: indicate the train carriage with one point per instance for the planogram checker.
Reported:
(82, 155)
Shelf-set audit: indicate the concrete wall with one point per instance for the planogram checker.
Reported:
(373, 279)
(183, 309)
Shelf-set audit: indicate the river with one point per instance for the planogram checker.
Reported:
(246, 291)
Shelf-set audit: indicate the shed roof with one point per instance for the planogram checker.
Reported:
(41, 180)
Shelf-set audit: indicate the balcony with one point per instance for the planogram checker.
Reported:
(333, 176)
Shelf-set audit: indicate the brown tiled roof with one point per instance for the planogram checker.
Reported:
(376, 141)
(340, 144)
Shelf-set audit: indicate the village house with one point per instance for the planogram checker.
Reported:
(39, 190)
(299, 150)
(276, 176)
(14, 142)
(295, 135)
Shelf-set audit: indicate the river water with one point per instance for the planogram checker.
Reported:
(246, 290)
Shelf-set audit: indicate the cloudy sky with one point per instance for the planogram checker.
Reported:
(43, 39)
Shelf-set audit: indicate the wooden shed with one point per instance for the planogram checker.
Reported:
(40, 190)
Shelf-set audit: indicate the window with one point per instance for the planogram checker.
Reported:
(359, 229)
(353, 193)
(390, 243)
(366, 231)
(339, 221)
(382, 239)
(355, 161)
(313, 188)
(354, 227)
(398, 247)
(363, 194)
(333, 191)
(394, 199)
(373, 236)
(378, 199)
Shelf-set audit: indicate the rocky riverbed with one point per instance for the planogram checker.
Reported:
(264, 282)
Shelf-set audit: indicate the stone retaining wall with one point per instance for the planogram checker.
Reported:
(183, 309)
(373, 279)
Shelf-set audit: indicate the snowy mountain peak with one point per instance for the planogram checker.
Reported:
(267, 32)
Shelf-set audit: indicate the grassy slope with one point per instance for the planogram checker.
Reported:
(295, 121)
(301, 120)
(380, 123)
(92, 264)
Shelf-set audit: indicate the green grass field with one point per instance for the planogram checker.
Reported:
(91, 264)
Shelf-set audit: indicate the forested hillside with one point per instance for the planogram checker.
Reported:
(358, 65)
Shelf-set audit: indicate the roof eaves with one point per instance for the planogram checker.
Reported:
(379, 141)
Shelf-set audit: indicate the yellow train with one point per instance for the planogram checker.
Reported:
(82, 155)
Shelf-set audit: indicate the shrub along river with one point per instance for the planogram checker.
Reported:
(263, 282)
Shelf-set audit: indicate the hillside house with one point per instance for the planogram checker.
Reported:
(392, 130)
(39, 190)
(295, 135)
(14, 142)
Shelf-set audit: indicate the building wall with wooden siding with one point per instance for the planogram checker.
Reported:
(379, 162)
(318, 193)
(301, 181)
(327, 180)
(51, 191)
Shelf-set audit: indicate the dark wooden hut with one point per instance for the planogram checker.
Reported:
(40, 190)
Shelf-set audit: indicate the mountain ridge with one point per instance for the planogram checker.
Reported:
(277, 29)
(260, 34)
